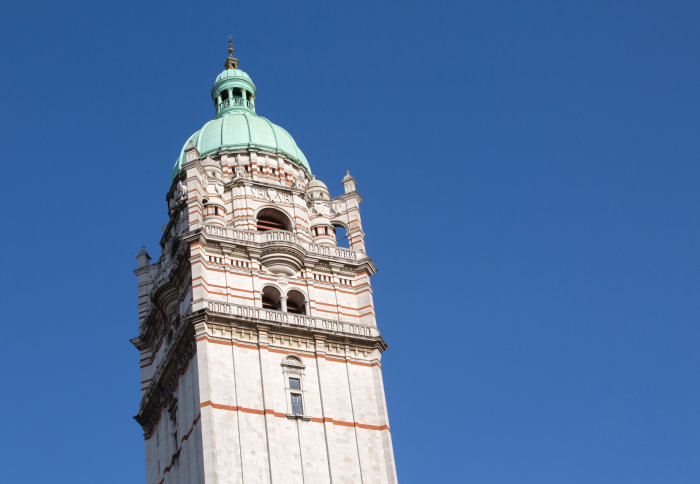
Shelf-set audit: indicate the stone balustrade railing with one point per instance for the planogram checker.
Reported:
(236, 101)
(291, 319)
(282, 236)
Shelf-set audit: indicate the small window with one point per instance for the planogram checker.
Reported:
(297, 405)
(293, 371)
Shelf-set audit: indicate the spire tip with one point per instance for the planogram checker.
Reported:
(231, 62)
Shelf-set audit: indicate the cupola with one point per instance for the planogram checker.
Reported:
(233, 89)
(237, 126)
(317, 190)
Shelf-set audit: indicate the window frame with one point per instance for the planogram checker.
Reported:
(293, 369)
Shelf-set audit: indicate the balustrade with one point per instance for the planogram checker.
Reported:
(236, 101)
(280, 236)
(291, 319)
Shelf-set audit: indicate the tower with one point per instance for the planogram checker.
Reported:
(259, 349)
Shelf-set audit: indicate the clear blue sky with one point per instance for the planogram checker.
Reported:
(530, 174)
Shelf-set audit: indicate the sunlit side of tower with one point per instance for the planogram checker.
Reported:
(259, 349)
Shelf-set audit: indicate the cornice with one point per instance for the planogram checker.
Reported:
(216, 322)
(348, 196)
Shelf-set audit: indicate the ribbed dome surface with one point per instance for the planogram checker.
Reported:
(233, 73)
(242, 129)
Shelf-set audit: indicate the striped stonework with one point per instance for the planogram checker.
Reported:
(259, 349)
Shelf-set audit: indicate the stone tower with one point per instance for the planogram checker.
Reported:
(259, 349)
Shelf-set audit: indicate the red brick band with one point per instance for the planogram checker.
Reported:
(268, 411)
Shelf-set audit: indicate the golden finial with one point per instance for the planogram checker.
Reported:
(231, 62)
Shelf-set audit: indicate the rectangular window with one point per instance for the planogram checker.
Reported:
(295, 384)
(297, 406)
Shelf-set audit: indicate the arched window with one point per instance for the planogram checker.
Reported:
(271, 298)
(342, 238)
(293, 371)
(296, 302)
(272, 219)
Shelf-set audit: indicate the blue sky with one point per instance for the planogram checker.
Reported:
(530, 181)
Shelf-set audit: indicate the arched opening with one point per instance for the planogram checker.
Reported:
(272, 219)
(271, 298)
(296, 302)
(342, 238)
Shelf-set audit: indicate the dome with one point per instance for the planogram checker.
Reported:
(242, 129)
(317, 189)
(236, 125)
(316, 183)
(233, 73)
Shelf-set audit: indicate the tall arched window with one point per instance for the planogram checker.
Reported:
(296, 302)
(271, 298)
(272, 219)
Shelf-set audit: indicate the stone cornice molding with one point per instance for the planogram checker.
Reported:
(214, 323)
(349, 196)
(301, 322)
(139, 343)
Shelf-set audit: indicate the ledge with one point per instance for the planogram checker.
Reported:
(277, 236)
(289, 319)
(293, 416)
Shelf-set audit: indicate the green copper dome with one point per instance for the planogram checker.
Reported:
(242, 129)
(236, 125)
(233, 74)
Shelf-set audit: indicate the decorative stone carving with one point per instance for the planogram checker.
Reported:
(181, 192)
(269, 195)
